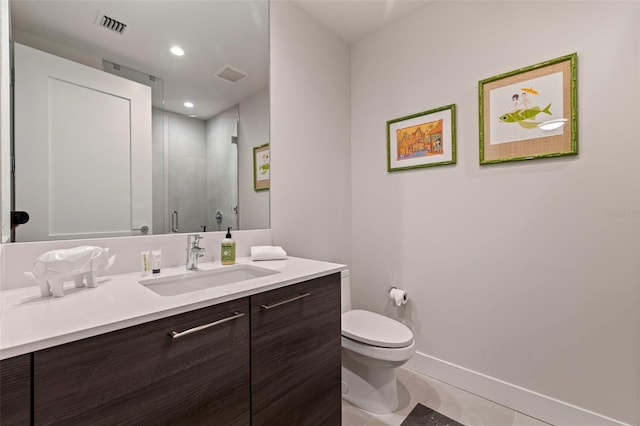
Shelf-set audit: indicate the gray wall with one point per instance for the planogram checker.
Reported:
(310, 119)
(528, 284)
(187, 170)
(253, 131)
(521, 271)
(222, 170)
(201, 170)
(158, 137)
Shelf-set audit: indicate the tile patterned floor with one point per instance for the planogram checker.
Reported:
(459, 405)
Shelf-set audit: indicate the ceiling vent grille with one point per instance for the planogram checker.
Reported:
(110, 23)
(231, 74)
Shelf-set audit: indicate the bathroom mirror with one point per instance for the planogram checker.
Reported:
(202, 113)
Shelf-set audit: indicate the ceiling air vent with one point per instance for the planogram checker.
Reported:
(231, 74)
(110, 23)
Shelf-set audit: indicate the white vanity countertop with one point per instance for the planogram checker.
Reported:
(29, 322)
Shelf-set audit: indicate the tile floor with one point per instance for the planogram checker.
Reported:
(459, 405)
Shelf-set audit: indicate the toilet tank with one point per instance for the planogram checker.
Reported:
(345, 291)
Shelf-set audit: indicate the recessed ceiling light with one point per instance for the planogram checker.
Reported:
(192, 116)
(177, 51)
(188, 104)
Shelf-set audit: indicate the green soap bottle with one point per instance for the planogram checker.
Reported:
(228, 249)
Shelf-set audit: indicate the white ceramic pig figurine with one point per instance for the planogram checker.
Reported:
(55, 267)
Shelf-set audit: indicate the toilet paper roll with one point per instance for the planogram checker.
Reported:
(398, 296)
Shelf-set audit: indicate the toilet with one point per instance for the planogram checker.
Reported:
(373, 346)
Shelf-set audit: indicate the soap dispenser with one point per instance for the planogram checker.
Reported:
(228, 249)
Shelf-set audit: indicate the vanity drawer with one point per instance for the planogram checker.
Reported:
(142, 374)
(295, 361)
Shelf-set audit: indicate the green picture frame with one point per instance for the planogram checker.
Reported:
(425, 139)
(261, 168)
(529, 113)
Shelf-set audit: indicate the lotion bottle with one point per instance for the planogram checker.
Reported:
(146, 263)
(228, 249)
(155, 261)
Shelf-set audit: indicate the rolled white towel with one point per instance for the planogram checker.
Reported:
(268, 253)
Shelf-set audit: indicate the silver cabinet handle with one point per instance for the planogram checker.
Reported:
(275, 305)
(175, 334)
(174, 221)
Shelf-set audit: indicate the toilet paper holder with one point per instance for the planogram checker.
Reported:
(400, 297)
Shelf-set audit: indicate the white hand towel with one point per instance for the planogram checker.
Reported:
(268, 253)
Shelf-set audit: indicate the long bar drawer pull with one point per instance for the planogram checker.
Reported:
(175, 334)
(275, 305)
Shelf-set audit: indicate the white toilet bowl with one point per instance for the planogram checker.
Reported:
(373, 345)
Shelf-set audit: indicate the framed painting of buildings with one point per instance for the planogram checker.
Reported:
(425, 139)
(529, 113)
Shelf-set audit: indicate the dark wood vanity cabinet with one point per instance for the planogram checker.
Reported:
(15, 390)
(142, 375)
(269, 359)
(295, 354)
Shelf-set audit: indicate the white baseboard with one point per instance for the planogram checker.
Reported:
(520, 399)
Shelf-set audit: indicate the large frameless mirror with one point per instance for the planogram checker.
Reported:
(138, 117)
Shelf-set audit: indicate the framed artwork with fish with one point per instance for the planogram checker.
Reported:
(261, 167)
(424, 139)
(530, 113)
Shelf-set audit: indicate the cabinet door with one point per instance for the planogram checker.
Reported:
(15, 390)
(141, 375)
(295, 354)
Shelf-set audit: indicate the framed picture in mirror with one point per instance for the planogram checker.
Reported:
(261, 167)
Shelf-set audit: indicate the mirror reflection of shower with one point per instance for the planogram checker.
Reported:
(219, 219)
(201, 170)
(195, 164)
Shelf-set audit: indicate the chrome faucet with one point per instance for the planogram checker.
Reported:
(194, 251)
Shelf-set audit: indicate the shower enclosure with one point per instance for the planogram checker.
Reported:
(201, 173)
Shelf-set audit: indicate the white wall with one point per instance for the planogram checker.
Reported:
(310, 178)
(524, 272)
(253, 131)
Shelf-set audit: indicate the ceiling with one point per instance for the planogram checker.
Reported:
(353, 20)
(212, 33)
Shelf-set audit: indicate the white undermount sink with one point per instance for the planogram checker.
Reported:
(200, 280)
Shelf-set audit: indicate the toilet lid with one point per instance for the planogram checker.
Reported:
(375, 329)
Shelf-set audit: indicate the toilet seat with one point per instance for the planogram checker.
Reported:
(394, 356)
(373, 329)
